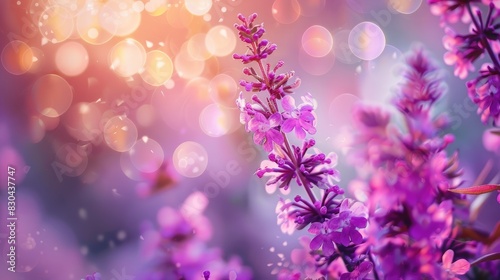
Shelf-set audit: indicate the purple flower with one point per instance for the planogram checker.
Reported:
(323, 238)
(300, 119)
(459, 267)
(359, 273)
(487, 96)
(350, 219)
(451, 10)
(286, 217)
(266, 130)
(206, 274)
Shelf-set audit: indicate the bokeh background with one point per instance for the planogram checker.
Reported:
(113, 109)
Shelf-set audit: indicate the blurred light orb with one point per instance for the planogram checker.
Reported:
(146, 155)
(190, 159)
(286, 11)
(82, 121)
(138, 6)
(120, 133)
(214, 121)
(156, 7)
(145, 115)
(37, 60)
(340, 111)
(341, 48)
(17, 57)
(120, 17)
(196, 47)
(129, 169)
(52, 95)
(223, 90)
(36, 129)
(186, 66)
(56, 24)
(316, 65)
(317, 41)
(127, 57)
(404, 6)
(158, 68)
(89, 27)
(198, 7)
(74, 6)
(367, 40)
(220, 40)
(72, 59)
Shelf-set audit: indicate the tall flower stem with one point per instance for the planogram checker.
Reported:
(274, 108)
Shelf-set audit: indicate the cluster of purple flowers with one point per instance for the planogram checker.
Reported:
(335, 222)
(464, 50)
(177, 249)
(411, 209)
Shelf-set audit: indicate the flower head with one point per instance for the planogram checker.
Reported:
(266, 130)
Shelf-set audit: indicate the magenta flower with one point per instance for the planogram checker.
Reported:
(265, 130)
(451, 10)
(359, 273)
(487, 97)
(351, 218)
(300, 119)
(459, 267)
(323, 238)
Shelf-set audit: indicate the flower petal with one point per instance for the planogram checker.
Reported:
(460, 267)
(275, 120)
(448, 258)
(288, 125)
(315, 228)
(316, 242)
(355, 236)
(328, 248)
(288, 103)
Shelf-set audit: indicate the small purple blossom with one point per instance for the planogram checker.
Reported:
(360, 273)
(323, 238)
(300, 119)
(266, 130)
(346, 225)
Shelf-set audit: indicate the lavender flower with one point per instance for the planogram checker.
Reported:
(410, 206)
(334, 221)
(179, 249)
(464, 50)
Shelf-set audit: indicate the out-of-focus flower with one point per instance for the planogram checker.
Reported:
(93, 276)
(459, 267)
